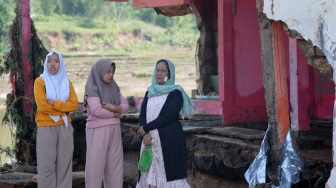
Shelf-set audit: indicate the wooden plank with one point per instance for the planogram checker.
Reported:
(281, 90)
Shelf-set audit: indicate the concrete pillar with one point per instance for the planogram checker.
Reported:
(225, 52)
(276, 92)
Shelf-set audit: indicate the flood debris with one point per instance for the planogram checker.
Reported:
(256, 173)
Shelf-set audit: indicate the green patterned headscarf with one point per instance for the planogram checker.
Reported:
(156, 89)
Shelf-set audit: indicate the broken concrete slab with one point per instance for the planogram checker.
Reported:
(238, 132)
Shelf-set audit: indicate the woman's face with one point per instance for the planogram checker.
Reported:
(53, 64)
(161, 72)
(108, 77)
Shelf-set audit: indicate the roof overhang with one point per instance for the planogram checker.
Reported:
(165, 7)
(160, 3)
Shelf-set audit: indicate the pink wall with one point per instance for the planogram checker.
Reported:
(239, 63)
(323, 96)
(299, 87)
(212, 107)
(248, 81)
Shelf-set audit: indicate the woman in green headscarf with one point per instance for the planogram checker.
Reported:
(161, 128)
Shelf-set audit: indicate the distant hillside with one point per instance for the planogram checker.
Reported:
(74, 34)
(135, 41)
(102, 26)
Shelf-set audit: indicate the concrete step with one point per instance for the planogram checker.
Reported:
(238, 132)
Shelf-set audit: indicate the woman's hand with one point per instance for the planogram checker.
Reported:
(116, 115)
(51, 102)
(34, 178)
(108, 107)
(141, 131)
(111, 108)
(147, 139)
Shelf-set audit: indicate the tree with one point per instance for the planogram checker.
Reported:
(118, 8)
(20, 105)
(6, 6)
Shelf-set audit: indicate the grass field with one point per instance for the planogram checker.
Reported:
(133, 72)
(135, 46)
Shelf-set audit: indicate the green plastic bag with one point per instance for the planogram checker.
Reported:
(145, 160)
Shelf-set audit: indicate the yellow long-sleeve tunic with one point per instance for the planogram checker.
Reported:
(60, 108)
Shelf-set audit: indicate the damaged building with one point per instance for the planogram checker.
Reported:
(269, 65)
